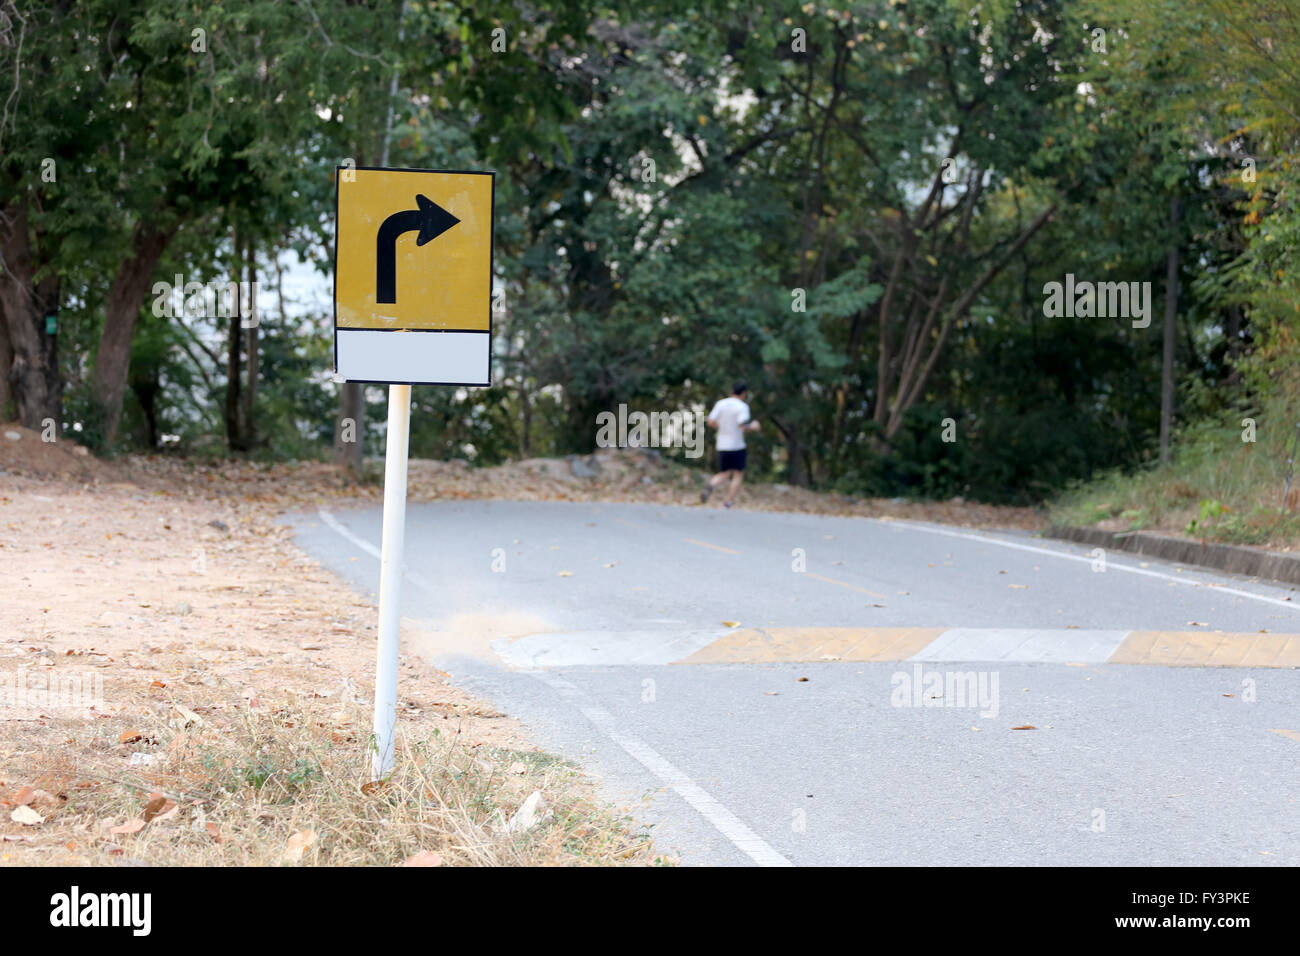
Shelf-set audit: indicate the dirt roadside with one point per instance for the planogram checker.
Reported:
(179, 684)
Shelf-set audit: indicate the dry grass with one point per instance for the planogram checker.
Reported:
(250, 790)
(1218, 488)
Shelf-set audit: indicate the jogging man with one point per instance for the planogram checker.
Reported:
(730, 418)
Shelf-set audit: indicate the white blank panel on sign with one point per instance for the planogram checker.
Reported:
(371, 355)
(413, 263)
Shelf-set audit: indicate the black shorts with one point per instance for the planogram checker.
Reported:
(731, 460)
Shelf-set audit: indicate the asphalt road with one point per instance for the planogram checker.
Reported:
(790, 689)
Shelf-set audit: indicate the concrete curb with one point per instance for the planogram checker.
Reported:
(1232, 558)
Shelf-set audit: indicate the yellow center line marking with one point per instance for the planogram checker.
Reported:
(1293, 734)
(715, 547)
(843, 584)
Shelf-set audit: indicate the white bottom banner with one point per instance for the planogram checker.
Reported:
(414, 358)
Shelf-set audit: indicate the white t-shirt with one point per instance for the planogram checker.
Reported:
(730, 414)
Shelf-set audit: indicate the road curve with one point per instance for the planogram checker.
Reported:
(798, 689)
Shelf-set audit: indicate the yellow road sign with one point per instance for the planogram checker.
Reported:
(413, 276)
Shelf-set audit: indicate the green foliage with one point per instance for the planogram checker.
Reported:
(1210, 510)
(689, 194)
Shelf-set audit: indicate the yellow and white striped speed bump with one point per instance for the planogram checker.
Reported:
(1012, 645)
(801, 644)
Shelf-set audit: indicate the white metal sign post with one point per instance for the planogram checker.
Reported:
(408, 315)
(390, 578)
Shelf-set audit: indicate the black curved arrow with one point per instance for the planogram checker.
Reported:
(429, 218)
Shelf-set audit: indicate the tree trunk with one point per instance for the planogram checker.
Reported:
(7, 409)
(526, 432)
(254, 319)
(796, 473)
(916, 370)
(126, 296)
(24, 304)
(884, 357)
(347, 434)
(234, 439)
(146, 388)
(1171, 312)
(234, 342)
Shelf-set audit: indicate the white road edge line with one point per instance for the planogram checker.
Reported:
(916, 525)
(371, 550)
(338, 526)
(723, 820)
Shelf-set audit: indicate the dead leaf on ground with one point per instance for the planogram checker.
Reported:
(157, 807)
(130, 736)
(26, 816)
(423, 858)
(132, 826)
(187, 716)
(298, 844)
